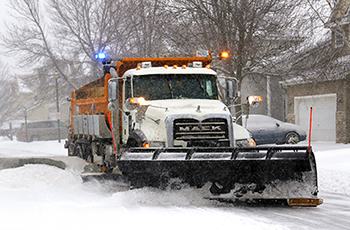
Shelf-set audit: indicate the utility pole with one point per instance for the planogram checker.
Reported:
(268, 97)
(25, 122)
(56, 76)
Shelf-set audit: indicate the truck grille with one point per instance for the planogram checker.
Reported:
(209, 132)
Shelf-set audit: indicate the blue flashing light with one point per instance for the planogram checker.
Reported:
(100, 56)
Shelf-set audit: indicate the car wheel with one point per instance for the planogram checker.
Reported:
(292, 138)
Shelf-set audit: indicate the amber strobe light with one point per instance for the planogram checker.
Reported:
(224, 55)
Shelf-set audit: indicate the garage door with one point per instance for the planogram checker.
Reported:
(324, 115)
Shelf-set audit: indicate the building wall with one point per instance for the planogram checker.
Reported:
(338, 87)
(38, 113)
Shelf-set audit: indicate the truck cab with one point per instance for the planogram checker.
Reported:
(176, 106)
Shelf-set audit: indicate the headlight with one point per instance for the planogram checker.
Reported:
(245, 142)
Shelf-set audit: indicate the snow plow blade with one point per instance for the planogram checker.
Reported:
(237, 173)
(292, 202)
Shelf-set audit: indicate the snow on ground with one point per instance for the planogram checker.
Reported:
(46, 197)
(333, 165)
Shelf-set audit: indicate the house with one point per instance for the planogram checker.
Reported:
(48, 111)
(269, 89)
(326, 91)
(38, 109)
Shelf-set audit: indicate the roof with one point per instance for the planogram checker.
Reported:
(131, 63)
(171, 70)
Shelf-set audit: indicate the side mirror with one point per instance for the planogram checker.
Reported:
(134, 102)
(231, 89)
(113, 72)
(113, 89)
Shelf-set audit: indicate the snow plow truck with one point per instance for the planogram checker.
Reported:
(154, 121)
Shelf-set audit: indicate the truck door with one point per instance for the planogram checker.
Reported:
(126, 117)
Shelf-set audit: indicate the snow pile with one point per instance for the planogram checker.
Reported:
(30, 176)
(40, 148)
(333, 161)
(46, 197)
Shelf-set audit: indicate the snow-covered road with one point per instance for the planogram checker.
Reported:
(46, 197)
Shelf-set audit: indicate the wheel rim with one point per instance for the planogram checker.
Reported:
(292, 138)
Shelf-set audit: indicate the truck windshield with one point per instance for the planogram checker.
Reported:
(175, 86)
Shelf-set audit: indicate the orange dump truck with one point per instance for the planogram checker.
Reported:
(152, 120)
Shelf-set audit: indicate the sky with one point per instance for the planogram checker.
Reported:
(4, 16)
(2, 9)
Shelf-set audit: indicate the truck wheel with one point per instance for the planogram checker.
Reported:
(132, 143)
(71, 149)
(78, 151)
(292, 138)
(88, 154)
(136, 139)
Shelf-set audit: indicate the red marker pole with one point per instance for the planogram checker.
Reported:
(310, 129)
(110, 124)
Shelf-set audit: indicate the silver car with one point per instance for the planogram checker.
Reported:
(268, 130)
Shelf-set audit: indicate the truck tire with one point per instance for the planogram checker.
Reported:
(136, 139)
(88, 154)
(71, 148)
(78, 151)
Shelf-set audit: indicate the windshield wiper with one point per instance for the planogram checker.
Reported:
(202, 87)
(171, 89)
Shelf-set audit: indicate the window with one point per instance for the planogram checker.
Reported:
(40, 125)
(175, 86)
(128, 88)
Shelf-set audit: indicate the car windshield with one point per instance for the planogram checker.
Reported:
(175, 86)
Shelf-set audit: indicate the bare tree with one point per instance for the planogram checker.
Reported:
(147, 21)
(258, 34)
(28, 37)
(89, 27)
(67, 39)
(9, 94)
(73, 32)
